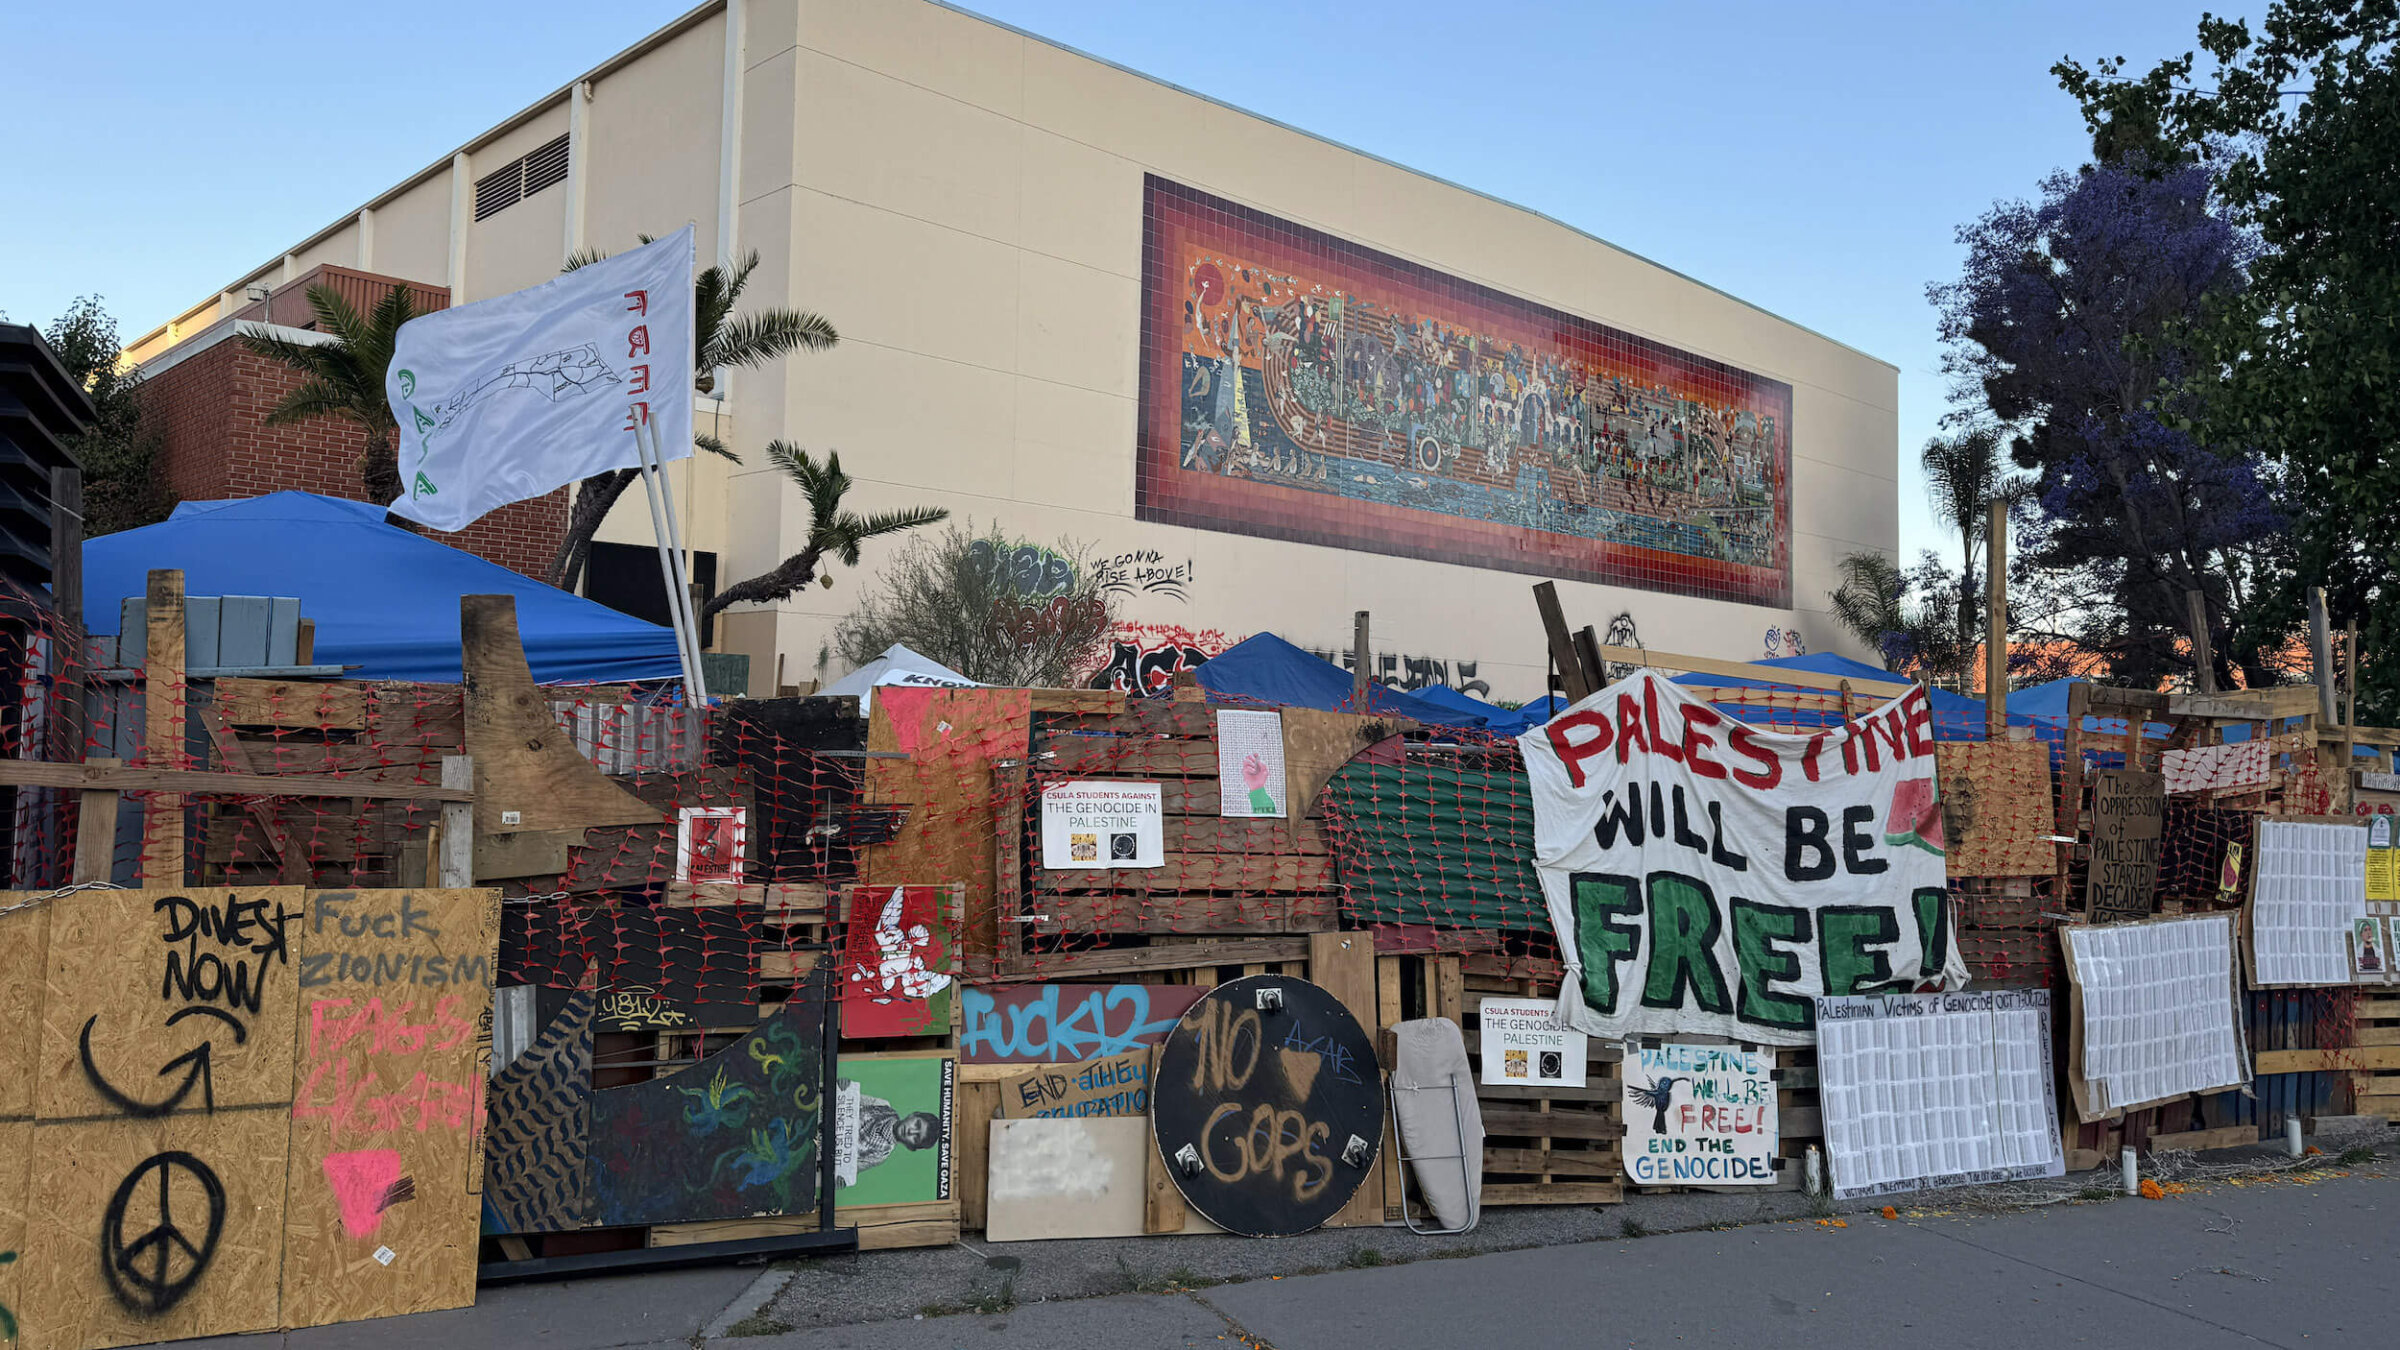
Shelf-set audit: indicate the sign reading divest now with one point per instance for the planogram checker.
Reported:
(1707, 876)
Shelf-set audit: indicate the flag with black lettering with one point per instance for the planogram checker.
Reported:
(1708, 876)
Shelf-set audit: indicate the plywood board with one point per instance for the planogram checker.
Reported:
(16, 1175)
(1067, 1178)
(1112, 1085)
(1996, 807)
(160, 1000)
(115, 1197)
(24, 939)
(382, 1215)
(528, 773)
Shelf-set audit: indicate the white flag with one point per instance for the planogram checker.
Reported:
(514, 397)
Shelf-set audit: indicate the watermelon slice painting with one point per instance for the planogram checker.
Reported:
(1916, 815)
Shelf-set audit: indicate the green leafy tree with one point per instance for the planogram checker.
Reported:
(833, 530)
(956, 598)
(342, 378)
(725, 340)
(123, 488)
(2301, 119)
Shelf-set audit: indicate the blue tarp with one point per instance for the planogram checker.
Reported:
(383, 599)
(1266, 669)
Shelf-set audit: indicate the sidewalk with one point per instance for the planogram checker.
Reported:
(2278, 1255)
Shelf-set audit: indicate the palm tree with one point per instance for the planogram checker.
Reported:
(1874, 603)
(723, 342)
(343, 378)
(832, 531)
(1965, 475)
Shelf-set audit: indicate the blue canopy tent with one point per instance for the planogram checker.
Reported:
(1266, 669)
(383, 599)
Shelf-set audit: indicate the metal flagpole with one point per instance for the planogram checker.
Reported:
(685, 650)
(682, 555)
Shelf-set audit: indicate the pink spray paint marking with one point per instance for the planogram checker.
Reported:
(360, 1182)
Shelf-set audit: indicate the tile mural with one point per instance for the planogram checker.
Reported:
(1297, 386)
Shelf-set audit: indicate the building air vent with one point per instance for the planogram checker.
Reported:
(544, 166)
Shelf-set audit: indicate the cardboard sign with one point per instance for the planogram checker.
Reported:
(1113, 1085)
(1524, 1046)
(1709, 877)
(2383, 861)
(1090, 825)
(2128, 806)
(1699, 1115)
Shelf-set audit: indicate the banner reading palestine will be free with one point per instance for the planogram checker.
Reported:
(1707, 876)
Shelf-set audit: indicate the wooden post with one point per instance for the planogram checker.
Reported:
(2204, 652)
(2070, 789)
(96, 831)
(456, 863)
(2320, 647)
(163, 721)
(1360, 656)
(1995, 624)
(1571, 674)
(1587, 651)
(66, 546)
(304, 651)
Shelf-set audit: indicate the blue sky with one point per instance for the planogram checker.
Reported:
(1812, 159)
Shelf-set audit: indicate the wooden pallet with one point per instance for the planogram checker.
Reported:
(1549, 1145)
(2377, 1025)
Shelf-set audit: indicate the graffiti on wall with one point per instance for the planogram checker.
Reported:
(1785, 642)
(1298, 386)
(1145, 657)
(1145, 572)
(1397, 670)
(1027, 571)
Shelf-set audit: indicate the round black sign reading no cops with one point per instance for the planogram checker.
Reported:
(1268, 1106)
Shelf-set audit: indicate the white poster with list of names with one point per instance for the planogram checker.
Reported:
(1524, 1046)
(1089, 825)
(1927, 1090)
(1250, 763)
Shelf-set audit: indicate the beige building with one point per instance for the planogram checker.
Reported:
(1045, 269)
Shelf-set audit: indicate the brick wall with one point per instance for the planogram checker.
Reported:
(212, 409)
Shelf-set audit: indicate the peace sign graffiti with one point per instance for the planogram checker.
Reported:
(152, 1270)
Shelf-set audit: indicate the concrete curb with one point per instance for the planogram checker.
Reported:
(762, 1291)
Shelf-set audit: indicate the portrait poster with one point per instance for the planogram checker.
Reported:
(1699, 1115)
(897, 961)
(893, 1117)
(1708, 877)
(1525, 1046)
(1090, 825)
(1250, 777)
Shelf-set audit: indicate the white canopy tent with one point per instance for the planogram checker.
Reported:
(901, 666)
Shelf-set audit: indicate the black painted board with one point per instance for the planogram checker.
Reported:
(1255, 1107)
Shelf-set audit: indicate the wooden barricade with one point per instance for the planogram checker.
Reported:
(1547, 1145)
